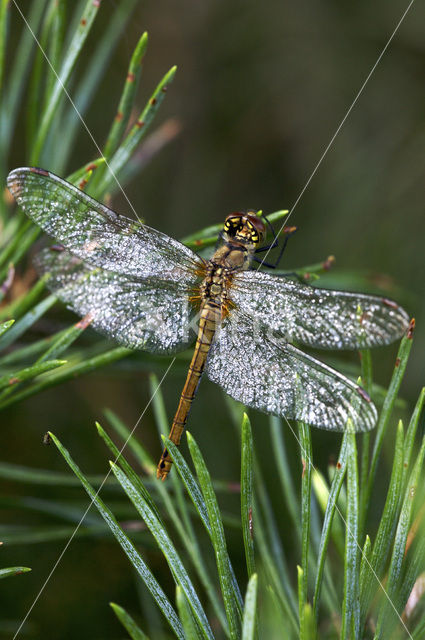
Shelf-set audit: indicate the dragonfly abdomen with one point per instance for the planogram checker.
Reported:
(209, 319)
(215, 304)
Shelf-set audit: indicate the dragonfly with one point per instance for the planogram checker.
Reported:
(148, 291)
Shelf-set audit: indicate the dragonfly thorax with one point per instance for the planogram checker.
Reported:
(215, 284)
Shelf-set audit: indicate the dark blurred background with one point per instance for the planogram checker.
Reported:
(261, 88)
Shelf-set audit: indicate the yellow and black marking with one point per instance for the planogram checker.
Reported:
(233, 224)
(242, 224)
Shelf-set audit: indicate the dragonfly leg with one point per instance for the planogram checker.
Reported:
(263, 263)
(288, 231)
(268, 247)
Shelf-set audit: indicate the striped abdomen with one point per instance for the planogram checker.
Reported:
(209, 320)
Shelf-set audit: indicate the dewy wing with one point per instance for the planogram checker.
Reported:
(148, 291)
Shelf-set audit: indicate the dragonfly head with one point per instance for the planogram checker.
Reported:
(246, 228)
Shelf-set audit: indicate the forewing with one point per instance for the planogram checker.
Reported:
(318, 317)
(266, 373)
(97, 234)
(153, 315)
